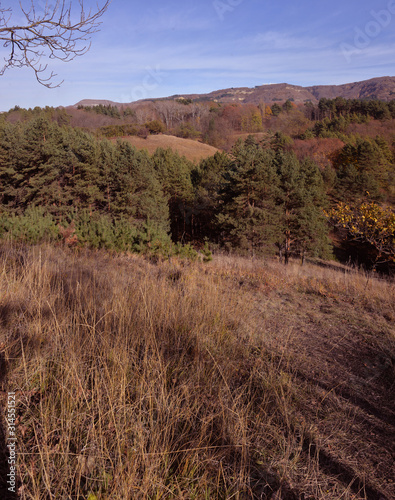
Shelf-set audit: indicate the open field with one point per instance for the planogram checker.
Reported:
(238, 378)
(191, 149)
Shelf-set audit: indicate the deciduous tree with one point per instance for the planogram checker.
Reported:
(50, 30)
(368, 223)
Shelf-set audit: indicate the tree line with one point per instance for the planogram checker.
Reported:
(258, 198)
(253, 199)
(216, 123)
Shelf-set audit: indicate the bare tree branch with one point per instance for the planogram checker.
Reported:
(55, 32)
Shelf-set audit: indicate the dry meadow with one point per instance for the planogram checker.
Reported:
(233, 379)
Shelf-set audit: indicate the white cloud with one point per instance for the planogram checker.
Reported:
(165, 19)
(284, 41)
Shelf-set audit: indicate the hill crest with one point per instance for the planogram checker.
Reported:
(381, 88)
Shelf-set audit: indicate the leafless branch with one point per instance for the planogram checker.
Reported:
(56, 31)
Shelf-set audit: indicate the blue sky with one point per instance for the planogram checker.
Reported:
(160, 48)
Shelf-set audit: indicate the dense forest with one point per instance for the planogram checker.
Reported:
(288, 181)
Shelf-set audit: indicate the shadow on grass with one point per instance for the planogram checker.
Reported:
(384, 428)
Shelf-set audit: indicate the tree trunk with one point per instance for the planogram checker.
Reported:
(287, 248)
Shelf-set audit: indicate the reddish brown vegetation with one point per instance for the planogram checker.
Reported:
(320, 150)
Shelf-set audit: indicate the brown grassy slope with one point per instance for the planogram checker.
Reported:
(191, 149)
(234, 379)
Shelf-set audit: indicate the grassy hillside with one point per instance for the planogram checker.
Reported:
(191, 149)
(238, 378)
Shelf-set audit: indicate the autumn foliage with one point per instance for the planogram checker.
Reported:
(369, 223)
(60, 161)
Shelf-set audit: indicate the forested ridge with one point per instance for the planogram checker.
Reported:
(299, 177)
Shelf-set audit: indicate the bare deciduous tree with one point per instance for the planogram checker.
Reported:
(49, 30)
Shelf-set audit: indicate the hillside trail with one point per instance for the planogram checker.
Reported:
(342, 353)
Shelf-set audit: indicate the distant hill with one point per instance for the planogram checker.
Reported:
(95, 102)
(382, 88)
(377, 88)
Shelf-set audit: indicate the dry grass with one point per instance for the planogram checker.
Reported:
(191, 149)
(232, 379)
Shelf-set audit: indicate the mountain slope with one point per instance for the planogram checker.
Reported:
(382, 88)
(375, 88)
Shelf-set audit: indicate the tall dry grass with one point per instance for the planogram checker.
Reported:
(139, 380)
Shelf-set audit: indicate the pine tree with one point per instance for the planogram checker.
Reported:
(271, 200)
(85, 176)
(139, 190)
(174, 174)
(300, 200)
(207, 180)
(248, 217)
(365, 166)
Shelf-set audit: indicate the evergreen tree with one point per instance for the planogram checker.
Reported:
(276, 109)
(84, 176)
(247, 219)
(35, 157)
(207, 180)
(271, 200)
(139, 192)
(300, 202)
(10, 178)
(174, 174)
(365, 166)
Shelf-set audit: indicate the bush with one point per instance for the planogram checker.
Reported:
(207, 255)
(33, 226)
(187, 131)
(143, 132)
(93, 230)
(155, 127)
